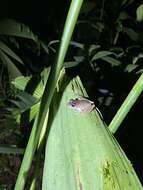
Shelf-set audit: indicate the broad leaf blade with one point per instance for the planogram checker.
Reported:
(13, 28)
(131, 33)
(130, 67)
(70, 64)
(139, 13)
(21, 83)
(101, 54)
(81, 153)
(10, 52)
(12, 69)
(111, 60)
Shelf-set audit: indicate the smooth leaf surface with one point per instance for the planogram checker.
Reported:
(21, 83)
(131, 33)
(11, 150)
(12, 28)
(81, 153)
(87, 6)
(140, 71)
(101, 54)
(130, 67)
(123, 16)
(111, 60)
(139, 13)
(10, 52)
(27, 101)
(127, 2)
(12, 69)
(70, 64)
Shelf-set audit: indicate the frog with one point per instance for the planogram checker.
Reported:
(81, 105)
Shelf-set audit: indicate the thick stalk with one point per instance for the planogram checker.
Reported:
(48, 93)
(127, 105)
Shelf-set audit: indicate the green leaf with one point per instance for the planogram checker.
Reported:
(21, 105)
(79, 58)
(101, 54)
(24, 106)
(12, 69)
(136, 58)
(139, 71)
(87, 7)
(131, 33)
(93, 49)
(73, 43)
(123, 16)
(11, 150)
(43, 45)
(33, 111)
(130, 67)
(53, 42)
(111, 60)
(70, 64)
(77, 44)
(127, 2)
(81, 153)
(27, 98)
(124, 2)
(13, 28)
(20, 82)
(10, 52)
(26, 102)
(117, 49)
(139, 13)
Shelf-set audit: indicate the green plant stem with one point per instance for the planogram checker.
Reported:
(127, 105)
(38, 165)
(48, 94)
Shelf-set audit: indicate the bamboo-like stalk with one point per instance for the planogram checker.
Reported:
(127, 105)
(48, 94)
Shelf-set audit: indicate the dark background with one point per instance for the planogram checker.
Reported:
(46, 19)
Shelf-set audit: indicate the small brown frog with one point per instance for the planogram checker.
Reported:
(81, 105)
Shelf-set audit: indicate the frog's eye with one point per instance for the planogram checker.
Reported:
(73, 104)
